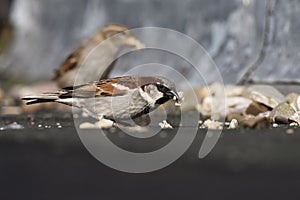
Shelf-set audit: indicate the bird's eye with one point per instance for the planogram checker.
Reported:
(123, 33)
(161, 87)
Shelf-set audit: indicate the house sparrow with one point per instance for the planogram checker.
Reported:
(119, 98)
(98, 59)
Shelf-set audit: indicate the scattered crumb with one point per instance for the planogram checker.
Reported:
(104, 123)
(213, 125)
(294, 124)
(290, 131)
(275, 125)
(234, 124)
(87, 125)
(58, 125)
(165, 125)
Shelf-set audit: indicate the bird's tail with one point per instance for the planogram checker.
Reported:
(42, 98)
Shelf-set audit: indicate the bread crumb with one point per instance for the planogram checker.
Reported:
(234, 124)
(165, 125)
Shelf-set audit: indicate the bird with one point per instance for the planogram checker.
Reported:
(115, 99)
(99, 60)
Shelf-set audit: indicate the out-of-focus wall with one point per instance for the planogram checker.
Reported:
(231, 31)
(5, 26)
(4, 11)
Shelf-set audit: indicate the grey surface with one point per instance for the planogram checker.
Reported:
(231, 31)
(53, 164)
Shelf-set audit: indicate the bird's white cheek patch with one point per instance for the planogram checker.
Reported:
(148, 98)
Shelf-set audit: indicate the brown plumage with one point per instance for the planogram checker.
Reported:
(65, 75)
(116, 98)
(107, 87)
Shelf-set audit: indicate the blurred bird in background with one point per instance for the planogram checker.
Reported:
(99, 62)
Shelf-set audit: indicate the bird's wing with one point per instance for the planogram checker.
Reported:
(70, 63)
(78, 55)
(106, 87)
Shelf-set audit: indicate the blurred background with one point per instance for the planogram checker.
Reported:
(41, 155)
(36, 36)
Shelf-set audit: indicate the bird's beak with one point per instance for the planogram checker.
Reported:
(135, 43)
(173, 95)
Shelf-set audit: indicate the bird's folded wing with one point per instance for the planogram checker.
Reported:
(108, 87)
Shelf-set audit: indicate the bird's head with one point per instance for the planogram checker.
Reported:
(159, 92)
(123, 36)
